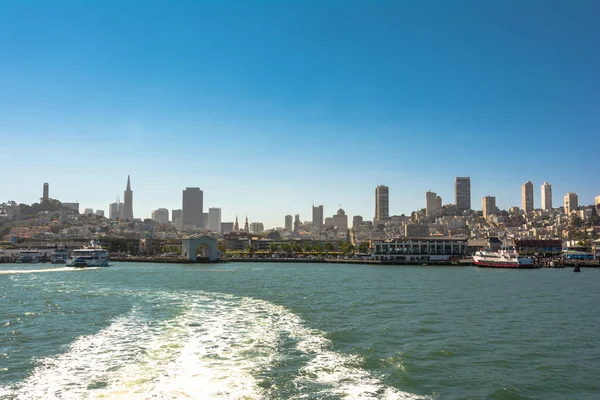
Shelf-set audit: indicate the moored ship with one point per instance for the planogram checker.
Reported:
(60, 257)
(503, 258)
(28, 257)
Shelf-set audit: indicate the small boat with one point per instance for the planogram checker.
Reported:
(89, 256)
(576, 269)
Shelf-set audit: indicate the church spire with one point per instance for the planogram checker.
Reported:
(246, 224)
(236, 227)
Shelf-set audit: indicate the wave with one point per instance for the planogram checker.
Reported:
(207, 346)
(35, 271)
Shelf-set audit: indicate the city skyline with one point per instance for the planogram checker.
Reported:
(322, 210)
(271, 108)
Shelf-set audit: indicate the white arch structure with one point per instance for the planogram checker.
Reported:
(190, 244)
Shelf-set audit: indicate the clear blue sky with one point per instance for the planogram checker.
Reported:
(269, 106)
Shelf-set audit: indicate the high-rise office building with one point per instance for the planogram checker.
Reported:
(88, 211)
(488, 206)
(546, 196)
(128, 202)
(257, 227)
(45, 193)
(462, 193)
(161, 216)
(289, 223)
(297, 222)
(357, 221)
(214, 219)
(192, 208)
(382, 203)
(317, 216)
(177, 219)
(99, 213)
(115, 210)
(527, 197)
(597, 200)
(433, 204)
(227, 227)
(571, 202)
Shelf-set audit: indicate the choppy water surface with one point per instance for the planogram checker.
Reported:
(298, 331)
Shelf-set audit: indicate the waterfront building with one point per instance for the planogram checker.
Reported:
(317, 216)
(177, 219)
(128, 202)
(527, 197)
(488, 206)
(214, 219)
(45, 193)
(357, 221)
(420, 249)
(433, 204)
(226, 227)
(533, 246)
(161, 216)
(462, 193)
(416, 230)
(192, 208)
(546, 196)
(571, 203)
(289, 223)
(382, 203)
(257, 227)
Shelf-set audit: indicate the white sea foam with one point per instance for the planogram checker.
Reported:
(35, 271)
(213, 348)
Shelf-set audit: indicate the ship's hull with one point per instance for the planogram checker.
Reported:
(502, 264)
(494, 264)
(82, 263)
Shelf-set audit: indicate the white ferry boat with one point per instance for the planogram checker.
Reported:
(92, 256)
(503, 258)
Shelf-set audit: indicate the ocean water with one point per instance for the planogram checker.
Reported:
(298, 331)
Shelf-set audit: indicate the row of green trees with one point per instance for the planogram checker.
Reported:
(318, 248)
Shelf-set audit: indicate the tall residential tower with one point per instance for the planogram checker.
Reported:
(527, 197)
(488, 206)
(382, 203)
(571, 202)
(546, 196)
